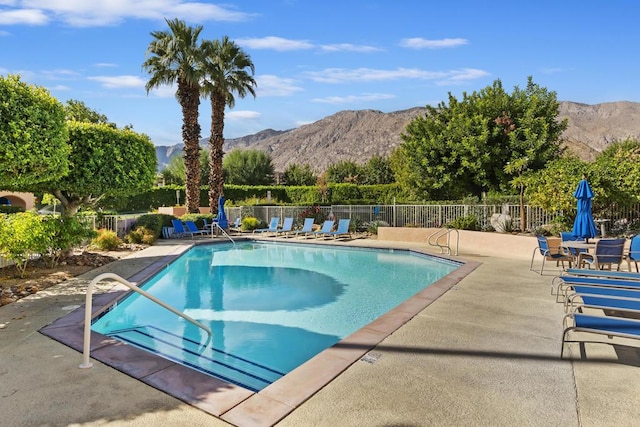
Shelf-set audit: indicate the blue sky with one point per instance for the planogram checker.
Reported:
(316, 58)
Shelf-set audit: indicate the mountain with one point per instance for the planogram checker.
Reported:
(360, 134)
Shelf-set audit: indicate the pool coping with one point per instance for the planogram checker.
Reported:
(230, 402)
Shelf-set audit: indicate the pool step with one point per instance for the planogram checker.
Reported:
(201, 356)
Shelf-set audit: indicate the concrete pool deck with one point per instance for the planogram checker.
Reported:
(484, 353)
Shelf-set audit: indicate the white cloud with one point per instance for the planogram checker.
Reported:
(117, 82)
(82, 13)
(341, 75)
(242, 115)
(353, 98)
(59, 74)
(269, 85)
(23, 17)
(457, 77)
(348, 47)
(104, 65)
(4, 33)
(420, 43)
(60, 88)
(275, 43)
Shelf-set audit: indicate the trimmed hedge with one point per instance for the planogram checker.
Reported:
(291, 195)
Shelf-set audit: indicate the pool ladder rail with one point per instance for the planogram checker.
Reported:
(224, 233)
(86, 363)
(442, 240)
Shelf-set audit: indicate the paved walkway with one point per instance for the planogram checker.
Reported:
(485, 353)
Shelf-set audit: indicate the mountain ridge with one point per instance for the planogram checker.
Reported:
(357, 135)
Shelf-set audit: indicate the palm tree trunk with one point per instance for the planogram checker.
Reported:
(189, 97)
(216, 140)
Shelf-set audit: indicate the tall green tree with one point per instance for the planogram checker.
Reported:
(228, 72)
(377, 170)
(463, 147)
(105, 161)
(175, 56)
(617, 169)
(78, 111)
(33, 135)
(248, 167)
(175, 171)
(346, 171)
(295, 174)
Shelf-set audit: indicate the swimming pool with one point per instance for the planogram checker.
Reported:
(271, 306)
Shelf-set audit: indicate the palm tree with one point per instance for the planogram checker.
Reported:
(228, 71)
(174, 56)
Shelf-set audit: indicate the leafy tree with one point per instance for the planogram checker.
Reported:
(106, 161)
(33, 136)
(295, 174)
(228, 71)
(377, 170)
(21, 235)
(463, 148)
(552, 188)
(345, 171)
(248, 167)
(175, 172)
(79, 112)
(175, 56)
(617, 169)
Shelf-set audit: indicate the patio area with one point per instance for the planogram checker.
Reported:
(485, 353)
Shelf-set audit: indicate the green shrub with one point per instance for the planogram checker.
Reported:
(372, 227)
(198, 219)
(21, 235)
(251, 223)
(469, 222)
(141, 235)
(106, 240)
(62, 234)
(8, 209)
(155, 222)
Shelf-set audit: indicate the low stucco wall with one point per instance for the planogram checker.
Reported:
(477, 243)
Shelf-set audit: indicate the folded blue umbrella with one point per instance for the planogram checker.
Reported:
(584, 226)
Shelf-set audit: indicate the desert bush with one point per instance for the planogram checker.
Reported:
(155, 222)
(251, 223)
(62, 234)
(106, 240)
(141, 235)
(21, 236)
(469, 222)
(372, 227)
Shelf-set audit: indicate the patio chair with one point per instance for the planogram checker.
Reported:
(287, 226)
(633, 256)
(567, 284)
(606, 253)
(193, 229)
(327, 226)
(180, 230)
(610, 326)
(603, 298)
(550, 252)
(273, 226)
(341, 231)
(236, 226)
(567, 236)
(307, 227)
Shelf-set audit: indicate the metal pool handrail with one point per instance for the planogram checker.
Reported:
(86, 363)
(224, 233)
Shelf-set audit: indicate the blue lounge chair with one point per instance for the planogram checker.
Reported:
(567, 284)
(602, 325)
(193, 229)
(603, 298)
(607, 252)
(342, 230)
(307, 227)
(633, 256)
(287, 226)
(548, 253)
(180, 230)
(327, 226)
(236, 226)
(273, 226)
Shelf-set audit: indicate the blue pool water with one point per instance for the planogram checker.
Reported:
(271, 306)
